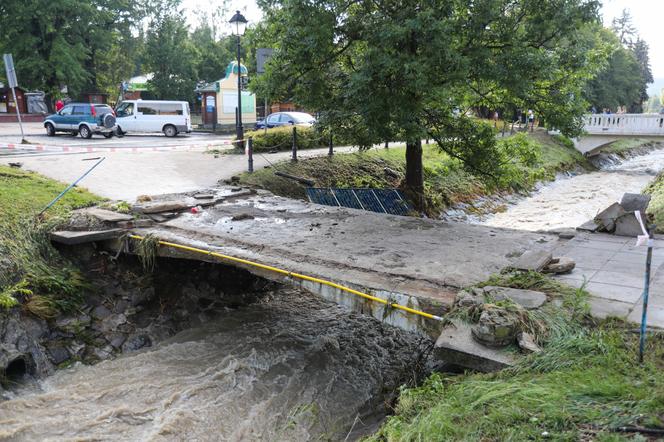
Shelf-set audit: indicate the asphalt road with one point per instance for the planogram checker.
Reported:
(131, 166)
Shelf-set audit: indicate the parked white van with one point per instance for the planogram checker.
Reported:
(169, 117)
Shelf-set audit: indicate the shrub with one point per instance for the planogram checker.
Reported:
(281, 138)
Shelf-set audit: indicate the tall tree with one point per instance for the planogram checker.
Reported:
(59, 43)
(169, 53)
(641, 53)
(619, 82)
(383, 69)
(624, 28)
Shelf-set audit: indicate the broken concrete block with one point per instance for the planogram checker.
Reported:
(495, 328)
(560, 265)
(81, 237)
(108, 215)
(164, 206)
(632, 202)
(567, 234)
(527, 343)
(589, 226)
(468, 299)
(607, 217)
(528, 299)
(534, 260)
(455, 345)
(628, 225)
(203, 196)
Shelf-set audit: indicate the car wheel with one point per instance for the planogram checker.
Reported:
(85, 132)
(50, 130)
(170, 130)
(108, 135)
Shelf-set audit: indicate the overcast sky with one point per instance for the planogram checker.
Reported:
(648, 16)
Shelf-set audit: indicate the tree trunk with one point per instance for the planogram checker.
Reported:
(414, 175)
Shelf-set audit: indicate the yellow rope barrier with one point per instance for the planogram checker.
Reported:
(294, 275)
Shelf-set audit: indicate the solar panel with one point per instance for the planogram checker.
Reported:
(376, 200)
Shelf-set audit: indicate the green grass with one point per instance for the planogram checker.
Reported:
(625, 145)
(583, 386)
(446, 182)
(30, 269)
(656, 207)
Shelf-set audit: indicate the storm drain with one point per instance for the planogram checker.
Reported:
(389, 201)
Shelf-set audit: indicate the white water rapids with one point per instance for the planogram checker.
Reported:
(571, 201)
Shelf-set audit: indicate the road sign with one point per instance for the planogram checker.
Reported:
(11, 72)
(262, 57)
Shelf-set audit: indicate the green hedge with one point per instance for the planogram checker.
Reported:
(281, 138)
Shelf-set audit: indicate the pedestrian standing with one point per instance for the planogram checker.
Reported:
(59, 105)
(531, 119)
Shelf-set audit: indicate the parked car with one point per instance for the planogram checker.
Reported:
(169, 117)
(85, 119)
(286, 119)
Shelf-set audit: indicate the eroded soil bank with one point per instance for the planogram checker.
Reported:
(209, 352)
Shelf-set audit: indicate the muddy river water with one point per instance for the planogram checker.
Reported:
(291, 368)
(571, 201)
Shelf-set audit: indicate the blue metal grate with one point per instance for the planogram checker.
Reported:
(376, 200)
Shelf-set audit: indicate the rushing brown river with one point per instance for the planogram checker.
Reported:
(291, 368)
(571, 201)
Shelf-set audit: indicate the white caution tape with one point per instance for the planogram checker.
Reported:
(101, 148)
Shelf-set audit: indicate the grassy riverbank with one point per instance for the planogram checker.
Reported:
(445, 181)
(656, 207)
(584, 385)
(30, 269)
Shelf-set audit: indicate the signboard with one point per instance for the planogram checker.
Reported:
(11, 72)
(229, 100)
(209, 103)
(262, 57)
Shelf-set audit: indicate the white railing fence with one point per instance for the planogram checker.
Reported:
(625, 124)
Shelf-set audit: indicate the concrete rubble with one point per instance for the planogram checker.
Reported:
(619, 218)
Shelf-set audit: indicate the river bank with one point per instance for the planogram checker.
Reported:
(447, 184)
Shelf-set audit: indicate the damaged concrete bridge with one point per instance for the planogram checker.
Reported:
(418, 263)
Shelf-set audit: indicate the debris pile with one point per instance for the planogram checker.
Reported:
(620, 218)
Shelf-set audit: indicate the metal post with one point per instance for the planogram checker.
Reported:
(294, 158)
(18, 113)
(331, 151)
(265, 114)
(214, 119)
(250, 154)
(646, 290)
(239, 130)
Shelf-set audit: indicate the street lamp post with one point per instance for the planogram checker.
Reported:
(239, 24)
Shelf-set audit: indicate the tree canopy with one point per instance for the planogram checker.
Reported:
(408, 70)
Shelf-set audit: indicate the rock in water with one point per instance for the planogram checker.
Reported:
(560, 265)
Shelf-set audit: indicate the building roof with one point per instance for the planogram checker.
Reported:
(232, 68)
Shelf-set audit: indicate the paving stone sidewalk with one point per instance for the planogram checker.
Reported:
(613, 269)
